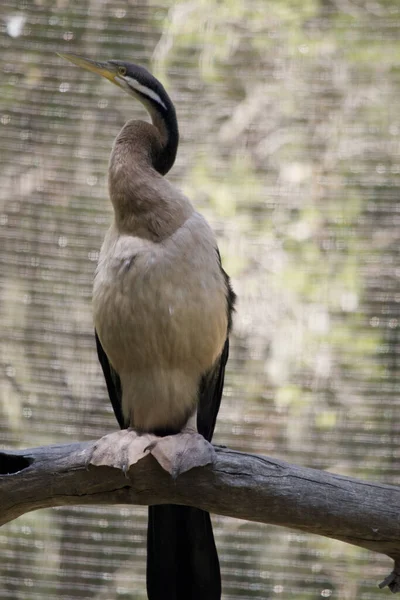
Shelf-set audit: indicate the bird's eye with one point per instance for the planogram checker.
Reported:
(121, 71)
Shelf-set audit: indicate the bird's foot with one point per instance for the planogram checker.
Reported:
(121, 449)
(176, 453)
(181, 452)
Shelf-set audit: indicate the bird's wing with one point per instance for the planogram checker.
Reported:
(210, 393)
(113, 383)
(212, 383)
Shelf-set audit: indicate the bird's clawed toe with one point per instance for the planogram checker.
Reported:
(120, 449)
(181, 452)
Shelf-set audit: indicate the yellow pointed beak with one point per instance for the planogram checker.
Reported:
(105, 69)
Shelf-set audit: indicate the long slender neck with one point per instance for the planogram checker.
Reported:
(166, 124)
(145, 203)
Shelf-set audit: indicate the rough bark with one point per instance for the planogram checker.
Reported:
(255, 488)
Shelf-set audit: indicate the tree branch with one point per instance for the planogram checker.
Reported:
(244, 486)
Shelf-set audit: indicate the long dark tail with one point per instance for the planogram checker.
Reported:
(182, 560)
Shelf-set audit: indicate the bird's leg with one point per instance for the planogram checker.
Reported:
(183, 451)
(191, 425)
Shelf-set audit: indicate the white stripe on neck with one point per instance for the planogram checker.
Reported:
(146, 91)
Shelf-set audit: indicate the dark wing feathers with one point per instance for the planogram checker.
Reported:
(230, 294)
(210, 393)
(212, 383)
(113, 384)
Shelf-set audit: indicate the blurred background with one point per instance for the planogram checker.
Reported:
(289, 114)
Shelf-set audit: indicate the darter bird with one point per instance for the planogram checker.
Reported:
(162, 311)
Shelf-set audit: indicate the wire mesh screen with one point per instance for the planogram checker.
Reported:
(289, 118)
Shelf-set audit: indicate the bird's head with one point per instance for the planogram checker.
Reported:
(133, 79)
(142, 85)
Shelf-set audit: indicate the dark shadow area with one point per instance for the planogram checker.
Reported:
(9, 463)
